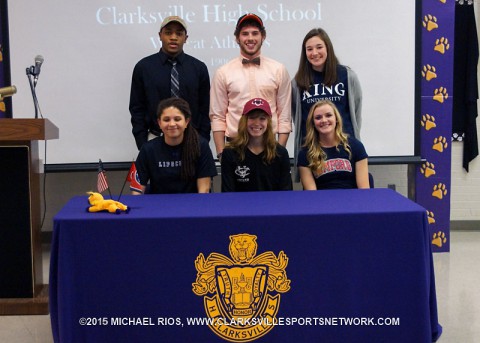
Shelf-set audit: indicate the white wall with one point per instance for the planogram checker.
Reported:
(465, 187)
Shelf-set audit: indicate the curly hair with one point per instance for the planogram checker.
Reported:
(240, 142)
(316, 156)
(303, 77)
(191, 140)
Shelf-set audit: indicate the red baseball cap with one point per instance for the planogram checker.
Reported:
(257, 104)
(250, 16)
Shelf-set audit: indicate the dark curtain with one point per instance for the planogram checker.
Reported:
(465, 83)
(6, 104)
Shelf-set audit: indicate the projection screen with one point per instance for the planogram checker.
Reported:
(90, 48)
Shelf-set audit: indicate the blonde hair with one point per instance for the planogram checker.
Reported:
(239, 143)
(316, 156)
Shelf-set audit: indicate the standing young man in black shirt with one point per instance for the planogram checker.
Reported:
(151, 82)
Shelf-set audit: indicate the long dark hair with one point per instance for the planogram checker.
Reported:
(191, 140)
(303, 77)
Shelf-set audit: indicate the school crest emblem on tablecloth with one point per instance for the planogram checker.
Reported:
(241, 308)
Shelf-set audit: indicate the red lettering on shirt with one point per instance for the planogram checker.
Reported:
(337, 164)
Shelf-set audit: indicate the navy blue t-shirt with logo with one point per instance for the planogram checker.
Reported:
(336, 93)
(160, 164)
(339, 168)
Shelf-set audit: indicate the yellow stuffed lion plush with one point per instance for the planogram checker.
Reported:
(98, 204)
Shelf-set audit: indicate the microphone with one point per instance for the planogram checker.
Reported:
(38, 65)
(7, 91)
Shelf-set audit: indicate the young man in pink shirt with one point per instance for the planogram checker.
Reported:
(248, 76)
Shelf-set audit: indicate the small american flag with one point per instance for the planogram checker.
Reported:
(102, 183)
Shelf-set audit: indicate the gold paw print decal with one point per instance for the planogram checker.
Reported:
(439, 239)
(440, 143)
(430, 22)
(429, 72)
(427, 169)
(443, 1)
(440, 95)
(442, 45)
(430, 217)
(2, 106)
(428, 121)
(439, 191)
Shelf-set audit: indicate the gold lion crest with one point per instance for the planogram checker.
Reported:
(240, 308)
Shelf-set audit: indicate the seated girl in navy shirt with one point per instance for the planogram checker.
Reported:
(179, 161)
(330, 158)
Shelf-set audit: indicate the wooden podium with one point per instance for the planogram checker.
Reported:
(21, 283)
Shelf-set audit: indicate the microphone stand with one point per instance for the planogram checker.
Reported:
(31, 74)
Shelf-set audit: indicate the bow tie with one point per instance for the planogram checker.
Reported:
(256, 61)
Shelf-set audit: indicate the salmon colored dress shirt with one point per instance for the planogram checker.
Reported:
(235, 83)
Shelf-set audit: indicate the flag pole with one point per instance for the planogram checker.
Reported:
(120, 195)
(128, 178)
(124, 183)
(110, 192)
